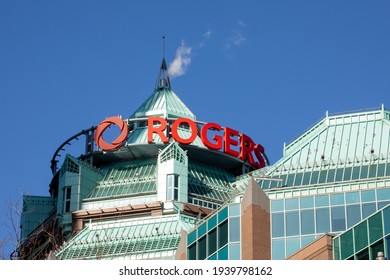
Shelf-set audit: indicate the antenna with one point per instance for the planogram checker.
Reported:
(163, 41)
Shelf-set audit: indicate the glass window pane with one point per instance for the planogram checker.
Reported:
(307, 222)
(337, 199)
(278, 225)
(383, 194)
(234, 229)
(353, 215)
(375, 227)
(213, 257)
(368, 196)
(234, 210)
(322, 220)
(383, 204)
(223, 215)
(277, 205)
(306, 178)
(212, 242)
(307, 239)
(192, 252)
(372, 171)
(377, 247)
(361, 236)
(331, 174)
(290, 180)
(346, 244)
(283, 178)
(307, 202)
(298, 179)
(338, 218)
(234, 251)
(347, 173)
(202, 248)
(336, 248)
(222, 234)
(265, 184)
(223, 253)
(292, 245)
(323, 174)
(381, 170)
(292, 204)
(356, 173)
(273, 184)
(352, 197)
(202, 230)
(314, 178)
(278, 249)
(388, 247)
(368, 209)
(212, 222)
(386, 218)
(322, 200)
(339, 174)
(363, 255)
(191, 237)
(292, 223)
(364, 172)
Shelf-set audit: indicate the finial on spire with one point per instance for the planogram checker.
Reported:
(163, 41)
(163, 79)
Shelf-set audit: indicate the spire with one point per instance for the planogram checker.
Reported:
(163, 78)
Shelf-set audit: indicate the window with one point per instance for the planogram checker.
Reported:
(172, 187)
(375, 227)
(67, 195)
(346, 244)
(278, 249)
(278, 225)
(361, 236)
(338, 218)
(192, 252)
(307, 222)
(292, 245)
(291, 204)
(277, 205)
(212, 242)
(202, 248)
(222, 234)
(368, 209)
(307, 202)
(234, 229)
(322, 220)
(322, 200)
(292, 223)
(353, 215)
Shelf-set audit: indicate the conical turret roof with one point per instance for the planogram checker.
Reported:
(163, 101)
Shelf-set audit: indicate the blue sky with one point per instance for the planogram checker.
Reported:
(269, 69)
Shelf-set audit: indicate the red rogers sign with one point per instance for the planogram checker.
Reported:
(227, 142)
(230, 142)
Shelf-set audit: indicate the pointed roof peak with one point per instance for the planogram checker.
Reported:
(163, 78)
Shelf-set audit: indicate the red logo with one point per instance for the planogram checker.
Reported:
(118, 141)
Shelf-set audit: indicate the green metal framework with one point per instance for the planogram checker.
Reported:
(137, 237)
(137, 177)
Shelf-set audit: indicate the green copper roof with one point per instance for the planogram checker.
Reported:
(339, 148)
(205, 182)
(136, 177)
(163, 102)
(125, 238)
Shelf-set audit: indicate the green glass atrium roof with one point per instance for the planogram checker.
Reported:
(115, 239)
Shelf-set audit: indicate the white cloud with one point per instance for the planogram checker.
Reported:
(178, 66)
(235, 39)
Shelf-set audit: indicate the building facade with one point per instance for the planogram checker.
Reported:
(172, 187)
